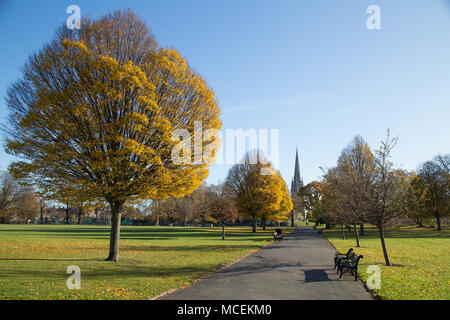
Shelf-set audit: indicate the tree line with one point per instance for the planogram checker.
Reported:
(253, 190)
(366, 188)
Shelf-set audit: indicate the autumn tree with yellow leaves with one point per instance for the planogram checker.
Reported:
(286, 205)
(98, 108)
(259, 191)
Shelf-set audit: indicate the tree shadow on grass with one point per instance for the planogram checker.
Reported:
(51, 259)
(149, 248)
(136, 233)
(118, 271)
(187, 248)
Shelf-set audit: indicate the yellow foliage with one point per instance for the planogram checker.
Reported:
(109, 127)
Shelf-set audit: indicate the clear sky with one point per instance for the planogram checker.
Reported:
(311, 69)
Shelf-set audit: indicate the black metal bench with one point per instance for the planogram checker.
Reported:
(348, 263)
(277, 234)
(339, 257)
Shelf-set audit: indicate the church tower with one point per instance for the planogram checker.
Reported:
(297, 181)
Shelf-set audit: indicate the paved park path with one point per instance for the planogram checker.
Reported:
(300, 267)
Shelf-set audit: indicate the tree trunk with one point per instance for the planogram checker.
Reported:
(157, 220)
(80, 212)
(254, 224)
(263, 221)
(116, 208)
(223, 231)
(356, 235)
(342, 232)
(292, 219)
(67, 214)
(42, 215)
(361, 229)
(383, 245)
(438, 221)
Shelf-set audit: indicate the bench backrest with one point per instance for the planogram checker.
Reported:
(353, 259)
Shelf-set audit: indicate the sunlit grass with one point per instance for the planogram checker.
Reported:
(34, 259)
(420, 258)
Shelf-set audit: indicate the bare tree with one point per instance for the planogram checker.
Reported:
(201, 203)
(13, 196)
(26, 206)
(223, 207)
(383, 192)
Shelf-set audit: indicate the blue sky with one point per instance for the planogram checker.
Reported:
(308, 68)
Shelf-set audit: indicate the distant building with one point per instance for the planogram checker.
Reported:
(297, 181)
(296, 184)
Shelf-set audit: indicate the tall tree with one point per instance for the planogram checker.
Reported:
(255, 186)
(356, 167)
(222, 207)
(383, 193)
(201, 202)
(98, 107)
(11, 192)
(286, 205)
(333, 202)
(435, 180)
(183, 208)
(26, 207)
(415, 198)
(312, 197)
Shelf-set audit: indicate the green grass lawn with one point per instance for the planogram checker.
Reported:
(34, 259)
(420, 258)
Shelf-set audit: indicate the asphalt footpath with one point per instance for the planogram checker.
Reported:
(300, 267)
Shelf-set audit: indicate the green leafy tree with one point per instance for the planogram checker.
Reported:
(435, 182)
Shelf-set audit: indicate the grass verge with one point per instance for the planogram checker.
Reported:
(34, 259)
(420, 258)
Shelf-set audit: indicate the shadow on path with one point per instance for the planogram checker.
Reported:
(300, 267)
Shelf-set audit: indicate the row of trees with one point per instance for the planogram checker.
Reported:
(20, 203)
(209, 204)
(365, 187)
(252, 190)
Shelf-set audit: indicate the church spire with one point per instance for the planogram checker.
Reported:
(297, 182)
(297, 167)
